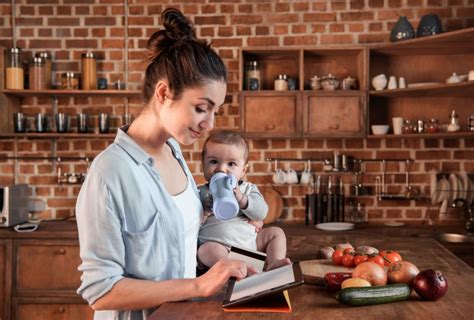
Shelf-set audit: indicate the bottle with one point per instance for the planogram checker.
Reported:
(14, 71)
(37, 74)
(46, 56)
(358, 215)
(89, 71)
(453, 126)
(225, 205)
(471, 122)
(253, 77)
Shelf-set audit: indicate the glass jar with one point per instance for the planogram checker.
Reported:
(432, 126)
(408, 127)
(252, 77)
(70, 81)
(46, 56)
(453, 125)
(89, 71)
(37, 79)
(14, 74)
(281, 83)
(471, 122)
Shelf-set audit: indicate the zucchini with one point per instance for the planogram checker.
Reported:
(364, 296)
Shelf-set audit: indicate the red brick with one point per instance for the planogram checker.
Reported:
(357, 16)
(432, 154)
(262, 31)
(81, 43)
(81, 10)
(279, 30)
(336, 39)
(336, 28)
(338, 5)
(300, 6)
(465, 12)
(394, 3)
(208, 9)
(245, 8)
(300, 41)
(210, 20)
(243, 31)
(133, 10)
(373, 38)
(376, 3)
(27, 10)
(450, 166)
(24, 32)
(283, 18)
(29, 21)
(282, 7)
(155, 9)
(264, 7)
(300, 28)
(265, 41)
(356, 27)
(319, 17)
(246, 19)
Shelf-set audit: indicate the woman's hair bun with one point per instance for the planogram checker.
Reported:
(177, 26)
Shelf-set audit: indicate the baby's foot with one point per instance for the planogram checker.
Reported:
(277, 264)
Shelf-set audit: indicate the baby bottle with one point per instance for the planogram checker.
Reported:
(225, 205)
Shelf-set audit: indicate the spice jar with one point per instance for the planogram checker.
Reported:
(37, 74)
(408, 127)
(70, 81)
(432, 126)
(47, 68)
(89, 71)
(252, 77)
(471, 122)
(281, 83)
(420, 128)
(454, 123)
(14, 71)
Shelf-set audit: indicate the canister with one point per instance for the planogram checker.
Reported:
(13, 71)
(89, 71)
(37, 75)
(46, 56)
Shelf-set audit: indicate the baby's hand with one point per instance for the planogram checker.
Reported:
(258, 224)
(205, 214)
(241, 198)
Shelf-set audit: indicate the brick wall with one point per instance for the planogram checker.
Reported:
(68, 28)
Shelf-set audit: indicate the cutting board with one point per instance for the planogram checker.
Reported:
(274, 201)
(318, 268)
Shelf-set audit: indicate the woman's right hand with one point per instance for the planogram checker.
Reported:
(212, 281)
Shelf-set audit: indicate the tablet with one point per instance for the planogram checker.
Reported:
(263, 284)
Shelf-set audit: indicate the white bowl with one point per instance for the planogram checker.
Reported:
(379, 130)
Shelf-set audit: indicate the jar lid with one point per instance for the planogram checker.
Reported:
(253, 63)
(37, 61)
(69, 75)
(15, 50)
(44, 55)
(88, 55)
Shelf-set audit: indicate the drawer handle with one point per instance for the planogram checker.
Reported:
(61, 251)
(270, 127)
(61, 310)
(334, 127)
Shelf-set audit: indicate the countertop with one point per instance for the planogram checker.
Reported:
(415, 244)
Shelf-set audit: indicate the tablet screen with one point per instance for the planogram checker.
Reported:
(263, 284)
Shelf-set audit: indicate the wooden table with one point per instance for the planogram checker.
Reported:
(310, 302)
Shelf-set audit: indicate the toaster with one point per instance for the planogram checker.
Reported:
(13, 205)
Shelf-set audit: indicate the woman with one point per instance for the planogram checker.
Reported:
(138, 212)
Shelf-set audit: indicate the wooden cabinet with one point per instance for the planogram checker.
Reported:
(39, 275)
(5, 278)
(303, 112)
(425, 63)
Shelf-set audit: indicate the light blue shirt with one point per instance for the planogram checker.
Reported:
(129, 225)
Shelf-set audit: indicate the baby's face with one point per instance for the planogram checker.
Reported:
(224, 158)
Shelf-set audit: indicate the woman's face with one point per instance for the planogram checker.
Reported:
(187, 118)
(219, 157)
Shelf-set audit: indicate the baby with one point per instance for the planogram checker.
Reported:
(227, 152)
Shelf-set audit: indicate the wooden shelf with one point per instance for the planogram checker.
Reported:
(55, 135)
(456, 42)
(454, 135)
(461, 89)
(72, 93)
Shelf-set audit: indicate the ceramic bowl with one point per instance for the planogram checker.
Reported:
(379, 130)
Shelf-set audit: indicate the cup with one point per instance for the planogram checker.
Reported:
(102, 84)
(291, 176)
(279, 177)
(19, 122)
(397, 123)
(401, 83)
(306, 174)
(224, 204)
(82, 125)
(120, 85)
(392, 83)
(104, 123)
(61, 122)
(41, 122)
(470, 76)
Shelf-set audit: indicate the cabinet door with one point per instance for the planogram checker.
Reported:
(271, 114)
(53, 311)
(47, 265)
(334, 114)
(5, 278)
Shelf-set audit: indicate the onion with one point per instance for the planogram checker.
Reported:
(367, 250)
(371, 272)
(430, 284)
(342, 246)
(402, 272)
(325, 253)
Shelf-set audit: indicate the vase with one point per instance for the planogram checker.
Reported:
(402, 30)
(429, 25)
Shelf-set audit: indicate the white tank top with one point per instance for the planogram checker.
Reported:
(190, 208)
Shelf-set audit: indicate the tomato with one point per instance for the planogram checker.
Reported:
(390, 256)
(337, 257)
(348, 250)
(348, 260)
(360, 258)
(378, 260)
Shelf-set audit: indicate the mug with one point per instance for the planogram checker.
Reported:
(82, 125)
(40, 122)
(291, 176)
(19, 122)
(104, 123)
(224, 203)
(61, 122)
(279, 177)
(306, 174)
(392, 83)
(397, 123)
